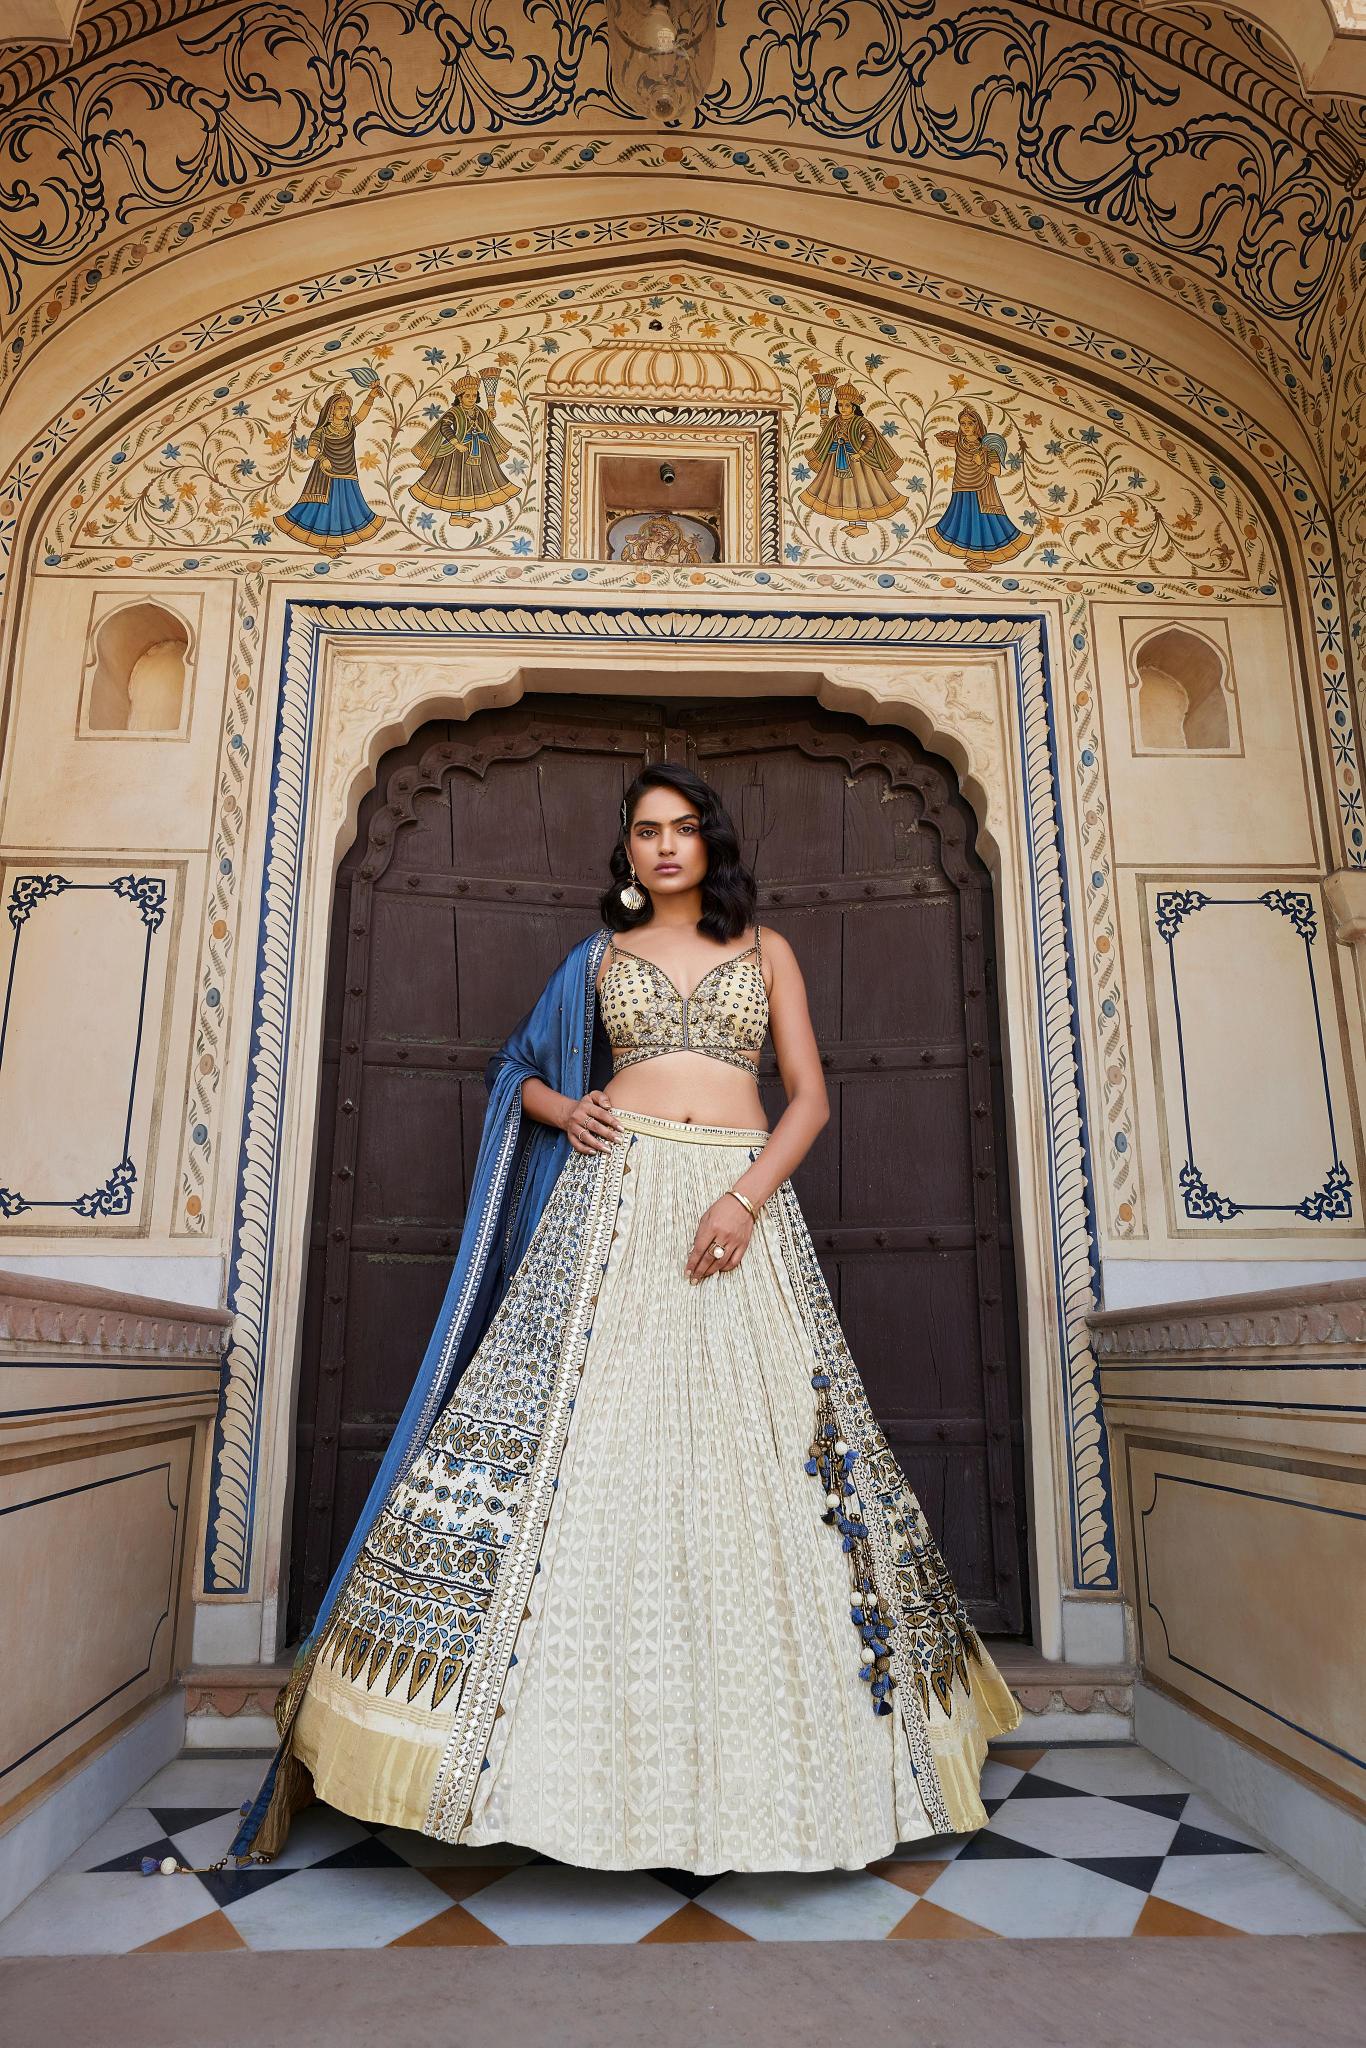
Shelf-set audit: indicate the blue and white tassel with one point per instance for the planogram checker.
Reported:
(831, 1461)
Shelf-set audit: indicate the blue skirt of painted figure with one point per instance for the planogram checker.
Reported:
(339, 521)
(983, 537)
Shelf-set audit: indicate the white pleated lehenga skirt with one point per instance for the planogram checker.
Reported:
(608, 1613)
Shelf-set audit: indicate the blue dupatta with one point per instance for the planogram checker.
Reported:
(561, 1041)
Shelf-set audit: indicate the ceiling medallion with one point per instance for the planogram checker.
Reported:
(662, 55)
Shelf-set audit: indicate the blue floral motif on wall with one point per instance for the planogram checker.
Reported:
(147, 895)
(1245, 182)
(1331, 1201)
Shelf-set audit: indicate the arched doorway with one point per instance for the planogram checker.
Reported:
(478, 860)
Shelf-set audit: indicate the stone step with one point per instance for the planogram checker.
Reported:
(231, 1706)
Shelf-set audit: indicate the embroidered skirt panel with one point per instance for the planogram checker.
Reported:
(602, 1616)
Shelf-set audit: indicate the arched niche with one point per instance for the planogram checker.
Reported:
(137, 670)
(1183, 687)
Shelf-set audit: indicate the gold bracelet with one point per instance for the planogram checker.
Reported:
(745, 1199)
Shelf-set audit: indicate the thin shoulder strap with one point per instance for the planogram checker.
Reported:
(757, 954)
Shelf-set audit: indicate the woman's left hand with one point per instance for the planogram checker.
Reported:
(732, 1231)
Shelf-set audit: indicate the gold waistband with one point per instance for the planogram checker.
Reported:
(692, 1134)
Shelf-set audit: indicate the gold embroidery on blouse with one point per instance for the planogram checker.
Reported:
(725, 1016)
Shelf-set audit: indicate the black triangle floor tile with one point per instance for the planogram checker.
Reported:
(1198, 1842)
(225, 1887)
(178, 1820)
(366, 1855)
(989, 1846)
(1167, 1805)
(990, 1806)
(688, 1882)
(1031, 1787)
(132, 1858)
(1138, 1871)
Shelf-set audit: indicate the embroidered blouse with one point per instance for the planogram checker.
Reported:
(725, 1015)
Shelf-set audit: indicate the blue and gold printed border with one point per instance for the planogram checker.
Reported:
(1022, 638)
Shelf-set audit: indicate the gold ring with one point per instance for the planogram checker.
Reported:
(718, 1251)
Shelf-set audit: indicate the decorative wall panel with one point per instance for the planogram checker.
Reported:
(93, 1548)
(1265, 1635)
(79, 1033)
(1217, 162)
(410, 403)
(1255, 1106)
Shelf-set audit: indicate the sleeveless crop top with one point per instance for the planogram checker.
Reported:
(725, 1016)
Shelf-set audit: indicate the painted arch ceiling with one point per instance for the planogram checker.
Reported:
(1179, 148)
(1119, 132)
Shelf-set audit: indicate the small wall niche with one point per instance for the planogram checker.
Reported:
(138, 666)
(1181, 693)
(670, 512)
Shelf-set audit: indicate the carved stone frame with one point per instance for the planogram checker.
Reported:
(357, 678)
(578, 435)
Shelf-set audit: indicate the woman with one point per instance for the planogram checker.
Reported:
(647, 1589)
(854, 467)
(976, 525)
(331, 514)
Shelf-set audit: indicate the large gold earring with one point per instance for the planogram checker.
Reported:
(632, 895)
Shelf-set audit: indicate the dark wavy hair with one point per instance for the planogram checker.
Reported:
(729, 890)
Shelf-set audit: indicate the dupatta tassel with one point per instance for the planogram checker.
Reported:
(830, 1460)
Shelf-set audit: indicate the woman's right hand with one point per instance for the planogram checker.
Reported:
(591, 1125)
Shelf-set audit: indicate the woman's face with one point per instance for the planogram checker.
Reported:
(665, 842)
(341, 410)
(970, 426)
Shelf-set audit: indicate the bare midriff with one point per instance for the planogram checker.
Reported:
(690, 1087)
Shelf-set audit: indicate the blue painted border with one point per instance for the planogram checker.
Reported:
(235, 1460)
(1074, 1348)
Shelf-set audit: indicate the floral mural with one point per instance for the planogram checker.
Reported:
(414, 438)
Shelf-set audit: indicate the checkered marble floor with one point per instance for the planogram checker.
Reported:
(1080, 1841)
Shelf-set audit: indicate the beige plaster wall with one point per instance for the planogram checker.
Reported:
(105, 1406)
(1238, 1456)
(192, 809)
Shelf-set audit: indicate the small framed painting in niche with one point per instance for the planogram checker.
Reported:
(668, 509)
(650, 433)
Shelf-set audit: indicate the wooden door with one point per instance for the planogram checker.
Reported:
(864, 851)
(478, 861)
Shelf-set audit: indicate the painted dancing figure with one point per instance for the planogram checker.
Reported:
(330, 513)
(854, 467)
(976, 526)
(462, 452)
